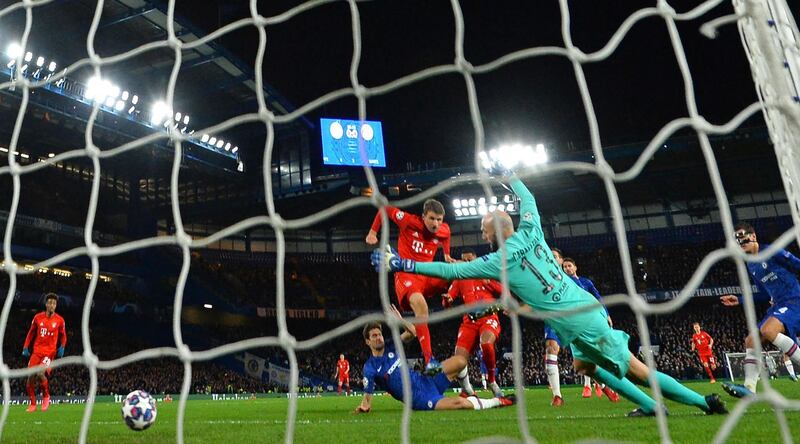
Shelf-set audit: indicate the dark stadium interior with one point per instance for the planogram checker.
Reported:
(328, 280)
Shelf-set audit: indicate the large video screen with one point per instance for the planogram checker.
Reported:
(341, 138)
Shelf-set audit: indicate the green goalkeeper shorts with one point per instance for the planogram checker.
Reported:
(602, 345)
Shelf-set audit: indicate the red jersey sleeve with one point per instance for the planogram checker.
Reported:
(446, 240)
(494, 287)
(455, 290)
(31, 331)
(62, 333)
(395, 215)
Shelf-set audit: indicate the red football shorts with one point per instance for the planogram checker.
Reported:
(709, 360)
(406, 284)
(343, 379)
(469, 334)
(37, 359)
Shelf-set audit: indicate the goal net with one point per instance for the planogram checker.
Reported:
(770, 39)
(773, 363)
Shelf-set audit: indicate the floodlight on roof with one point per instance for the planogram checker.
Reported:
(158, 112)
(235, 150)
(204, 138)
(28, 56)
(13, 50)
(40, 61)
(51, 67)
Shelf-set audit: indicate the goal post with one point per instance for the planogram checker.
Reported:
(773, 365)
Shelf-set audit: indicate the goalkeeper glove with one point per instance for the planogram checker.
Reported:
(393, 261)
(26, 353)
(60, 352)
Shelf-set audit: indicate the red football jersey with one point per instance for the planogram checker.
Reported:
(344, 367)
(475, 290)
(415, 241)
(48, 331)
(702, 342)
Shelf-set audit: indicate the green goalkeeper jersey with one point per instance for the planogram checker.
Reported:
(533, 273)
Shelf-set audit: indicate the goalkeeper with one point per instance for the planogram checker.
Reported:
(534, 276)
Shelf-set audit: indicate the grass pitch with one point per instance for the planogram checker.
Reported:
(329, 420)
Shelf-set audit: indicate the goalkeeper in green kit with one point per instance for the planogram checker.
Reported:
(533, 276)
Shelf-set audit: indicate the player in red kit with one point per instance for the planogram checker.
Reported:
(483, 331)
(343, 370)
(49, 329)
(703, 343)
(419, 239)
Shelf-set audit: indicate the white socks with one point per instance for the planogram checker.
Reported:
(463, 380)
(788, 347)
(751, 369)
(551, 367)
(789, 368)
(481, 403)
(587, 381)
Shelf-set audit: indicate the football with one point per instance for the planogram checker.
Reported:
(139, 410)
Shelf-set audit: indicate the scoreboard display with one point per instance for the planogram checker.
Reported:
(352, 142)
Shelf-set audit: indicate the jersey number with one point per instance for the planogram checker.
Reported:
(42, 332)
(417, 246)
(554, 273)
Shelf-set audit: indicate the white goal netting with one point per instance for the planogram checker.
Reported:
(770, 39)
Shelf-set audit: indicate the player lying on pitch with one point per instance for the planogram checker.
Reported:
(382, 371)
(533, 275)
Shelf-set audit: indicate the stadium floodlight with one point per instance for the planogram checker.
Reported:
(28, 56)
(513, 155)
(228, 146)
(125, 95)
(109, 101)
(177, 117)
(204, 139)
(467, 208)
(158, 112)
(456, 204)
(235, 150)
(186, 119)
(51, 155)
(51, 67)
(212, 141)
(135, 99)
(208, 306)
(14, 50)
(131, 109)
(119, 105)
(40, 61)
(458, 213)
(220, 143)
(11, 63)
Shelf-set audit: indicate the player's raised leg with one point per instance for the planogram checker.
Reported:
(787, 362)
(465, 343)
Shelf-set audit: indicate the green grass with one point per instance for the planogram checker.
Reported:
(329, 420)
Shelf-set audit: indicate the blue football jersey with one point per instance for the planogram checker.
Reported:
(383, 372)
(776, 277)
(588, 285)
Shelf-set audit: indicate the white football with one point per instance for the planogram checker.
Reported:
(139, 410)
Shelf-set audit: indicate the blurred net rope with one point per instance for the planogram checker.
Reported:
(769, 37)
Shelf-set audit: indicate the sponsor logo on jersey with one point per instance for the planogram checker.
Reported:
(400, 215)
(393, 367)
(391, 355)
(528, 216)
(54, 325)
(407, 283)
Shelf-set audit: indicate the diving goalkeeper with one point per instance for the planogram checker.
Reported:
(534, 276)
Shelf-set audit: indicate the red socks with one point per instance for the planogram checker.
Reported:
(32, 391)
(424, 336)
(489, 360)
